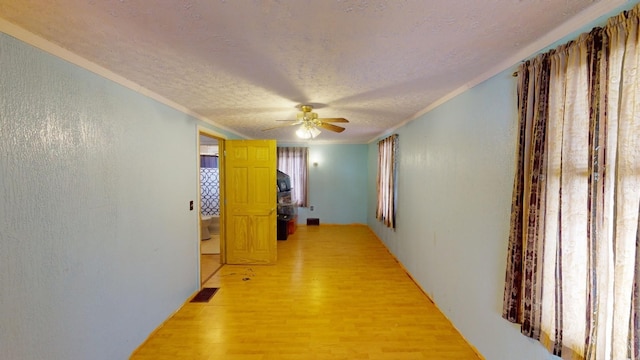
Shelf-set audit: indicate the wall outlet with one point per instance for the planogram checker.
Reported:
(311, 208)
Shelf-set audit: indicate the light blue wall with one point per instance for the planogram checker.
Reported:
(454, 196)
(338, 185)
(97, 246)
(97, 243)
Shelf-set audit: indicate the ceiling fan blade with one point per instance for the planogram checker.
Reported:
(337, 120)
(331, 127)
(281, 126)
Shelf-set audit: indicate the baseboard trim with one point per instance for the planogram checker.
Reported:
(426, 294)
(164, 322)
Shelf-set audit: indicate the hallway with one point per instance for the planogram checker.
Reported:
(335, 293)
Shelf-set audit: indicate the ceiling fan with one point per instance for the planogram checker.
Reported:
(310, 123)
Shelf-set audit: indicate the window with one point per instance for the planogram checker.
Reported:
(293, 161)
(572, 280)
(386, 208)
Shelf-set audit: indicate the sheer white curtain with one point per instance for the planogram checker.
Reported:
(294, 161)
(573, 272)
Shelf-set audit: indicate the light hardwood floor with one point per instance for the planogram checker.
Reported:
(335, 293)
(209, 264)
(210, 255)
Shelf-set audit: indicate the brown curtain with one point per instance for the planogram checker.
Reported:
(572, 269)
(386, 184)
(294, 161)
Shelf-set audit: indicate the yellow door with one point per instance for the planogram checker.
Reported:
(250, 176)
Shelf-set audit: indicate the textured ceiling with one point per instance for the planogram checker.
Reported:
(245, 64)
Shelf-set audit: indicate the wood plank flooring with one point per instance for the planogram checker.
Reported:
(209, 264)
(335, 293)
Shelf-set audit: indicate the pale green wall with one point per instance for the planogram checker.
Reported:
(97, 243)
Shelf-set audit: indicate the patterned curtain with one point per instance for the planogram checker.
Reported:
(386, 183)
(209, 191)
(294, 161)
(572, 267)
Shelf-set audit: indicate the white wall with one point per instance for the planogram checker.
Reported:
(97, 243)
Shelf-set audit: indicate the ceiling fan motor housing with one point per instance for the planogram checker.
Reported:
(306, 114)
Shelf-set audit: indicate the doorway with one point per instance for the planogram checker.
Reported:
(210, 204)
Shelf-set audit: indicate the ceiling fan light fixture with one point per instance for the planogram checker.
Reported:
(310, 123)
(307, 132)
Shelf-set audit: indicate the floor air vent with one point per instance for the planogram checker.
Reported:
(204, 295)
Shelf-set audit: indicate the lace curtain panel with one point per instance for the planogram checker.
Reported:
(572, 266)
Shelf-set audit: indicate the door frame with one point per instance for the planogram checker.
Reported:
(201, 130)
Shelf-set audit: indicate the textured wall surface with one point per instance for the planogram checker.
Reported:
(97, 244)
(338, 185)
(454, 196)
(454, 184)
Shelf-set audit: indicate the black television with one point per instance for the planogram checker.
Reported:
(283, 181)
